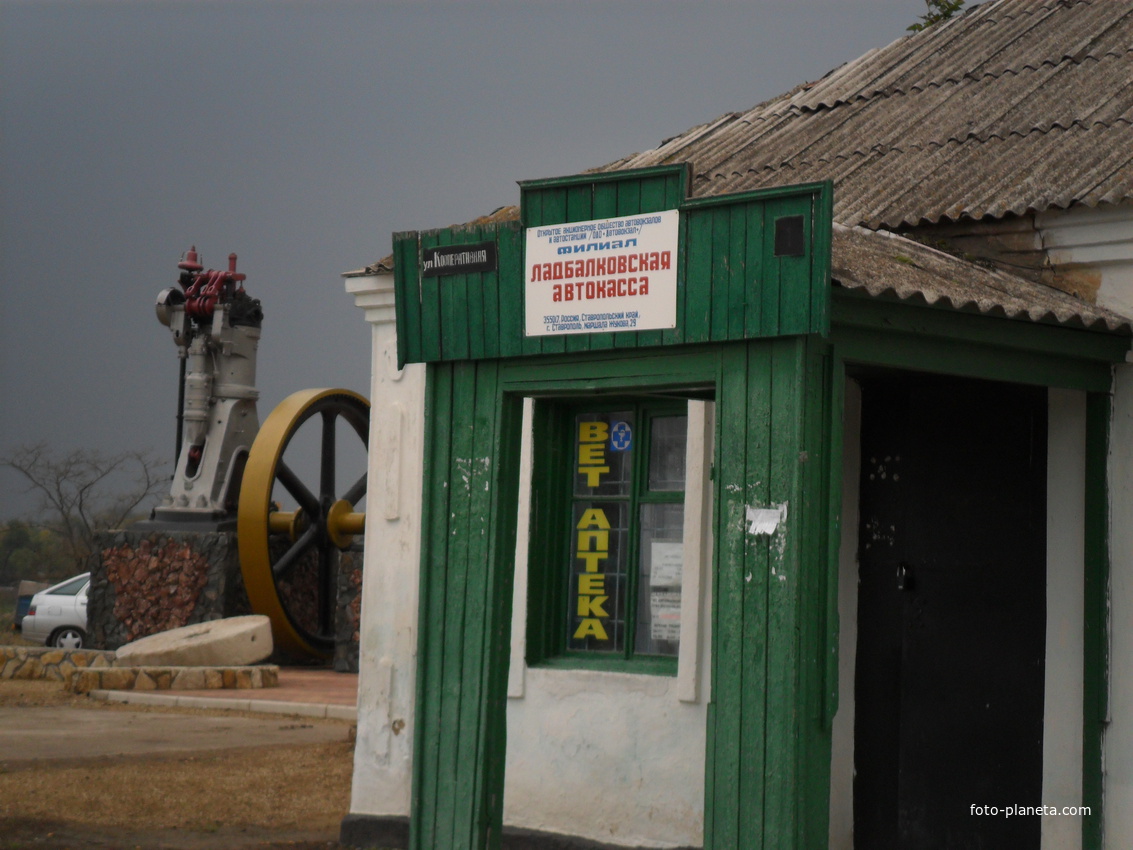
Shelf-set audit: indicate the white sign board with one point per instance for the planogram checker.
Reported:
(613, 274)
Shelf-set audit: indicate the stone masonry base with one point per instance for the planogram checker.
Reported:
(84, 670)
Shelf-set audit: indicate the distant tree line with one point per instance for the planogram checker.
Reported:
(73, 496)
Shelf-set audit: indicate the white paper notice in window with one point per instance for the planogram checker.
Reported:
(610, 274)
(666, 560)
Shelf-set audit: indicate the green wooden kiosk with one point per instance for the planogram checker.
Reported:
(618, 292)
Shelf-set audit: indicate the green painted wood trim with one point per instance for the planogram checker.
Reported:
(407, 298)
(468, 544)
(835, 440)
(651, 369)
(1095, 703)
(862, 312)
(768, 750)
(969, 359)
(675, 177)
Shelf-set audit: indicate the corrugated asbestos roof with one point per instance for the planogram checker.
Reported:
(885, 265)
(1014, 106)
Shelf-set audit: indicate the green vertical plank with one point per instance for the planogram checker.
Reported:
(428, 735)
(769, 291)
(816, 643)
(795, 272)
(726, 755)
(820, 271)
(454, 307)
(698, 275)
(721, 271)
(1095, 704)
(501, 555)
(490, 284)
(532, 217)
(449, 816)
(407, 297)
(835, 442)
(511, 290)
(473, 289)
(756, 271)
(737, 271)
(431, 325)
(477, 481)
(781, 771)
(758, 586)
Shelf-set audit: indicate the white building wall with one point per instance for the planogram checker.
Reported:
(1096, 246)
(1119, 734)
(383, 753)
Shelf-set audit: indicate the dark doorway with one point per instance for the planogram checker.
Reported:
(951, 613)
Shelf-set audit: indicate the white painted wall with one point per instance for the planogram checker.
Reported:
(1119, 734)
(1062, 733)
(1065, 567)
(842, 732)
(383, 753)
(1098, 241)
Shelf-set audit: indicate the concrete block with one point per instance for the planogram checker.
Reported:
(232, 642)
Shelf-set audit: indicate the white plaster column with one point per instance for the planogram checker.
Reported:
(842, 733)
(1119, 734)
(1065, 616)
(383, 754)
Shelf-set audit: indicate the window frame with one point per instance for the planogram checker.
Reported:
(550, 556)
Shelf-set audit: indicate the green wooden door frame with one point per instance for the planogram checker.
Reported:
(770, 652)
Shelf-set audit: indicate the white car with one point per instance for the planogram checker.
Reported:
(58, 615)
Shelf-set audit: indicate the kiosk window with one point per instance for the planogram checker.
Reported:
(614, 592)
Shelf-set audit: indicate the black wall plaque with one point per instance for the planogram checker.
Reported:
(459, 259)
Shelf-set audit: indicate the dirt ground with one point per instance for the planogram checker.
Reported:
(279, 797)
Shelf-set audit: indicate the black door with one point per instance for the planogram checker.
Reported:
(951, 613)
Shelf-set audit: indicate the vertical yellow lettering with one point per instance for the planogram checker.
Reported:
(592, 558)
(593, 541)
(593, 432)
(593, 518)
(592, 474)
(590, 628)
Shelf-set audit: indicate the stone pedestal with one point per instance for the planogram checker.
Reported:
(348, 612)
(145, 582)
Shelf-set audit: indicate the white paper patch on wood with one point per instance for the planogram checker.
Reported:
(766, 520)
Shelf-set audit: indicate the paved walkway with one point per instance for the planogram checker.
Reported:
(308, 692)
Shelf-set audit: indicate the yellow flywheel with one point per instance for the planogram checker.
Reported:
(293, 519)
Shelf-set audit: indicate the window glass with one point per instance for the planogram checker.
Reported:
(70, 588)
(603, 450)
(600, 578)
(667, 452)
(661, 558)
(611, 593)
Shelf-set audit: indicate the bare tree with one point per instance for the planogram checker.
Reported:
(84, 491)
